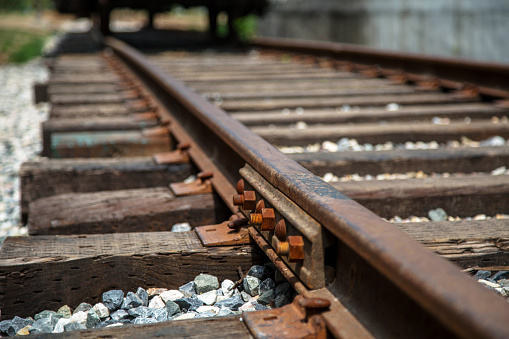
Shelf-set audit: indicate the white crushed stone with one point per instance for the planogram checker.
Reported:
(347, 144)
(19, 135)
(397, 219)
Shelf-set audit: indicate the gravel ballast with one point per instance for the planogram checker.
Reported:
(19, 136)
(118, 308)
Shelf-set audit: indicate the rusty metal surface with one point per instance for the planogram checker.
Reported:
(310, 269)
(300, 319)
(491, 78)
(428, 285)
(222, 235)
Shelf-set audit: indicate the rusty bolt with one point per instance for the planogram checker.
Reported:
(203, 176)
(237, 223)
(246, 200)
(249, 200)
(238, 200)
(259, 206)
(268, 219)
(293, 247)
(280, 230)
(256, 218)
(240, 186)
(315, 303)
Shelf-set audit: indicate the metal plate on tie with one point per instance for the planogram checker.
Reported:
(222, 235)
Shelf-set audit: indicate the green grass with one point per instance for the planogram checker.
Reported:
(20, 46)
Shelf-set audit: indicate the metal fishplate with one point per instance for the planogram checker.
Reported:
(297, 238)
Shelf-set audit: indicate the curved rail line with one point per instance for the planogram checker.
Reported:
(386, 283)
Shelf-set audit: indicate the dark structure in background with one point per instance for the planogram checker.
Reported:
(99, 10)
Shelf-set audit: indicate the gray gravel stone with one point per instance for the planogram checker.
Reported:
(43, 325)
(141, 311)
(142, 320)
(259, 271)
(438, 215)
(482, 274)
(4, 326)
(188, 304)
(83, 307)
(205, 283)
(160, 314)
(267, 297)
(281, 300)
(188, 289)
(131, 301)
(17, 324)
(283, 289)
(47, 314)
(119, 315)
(279, 277)
(92, 319)
(232, 303)
(245, 296)
(74, 327)
(500, 275)
(113, 299)
(266, 285)
(172, 308)
(143, 295)
(503, 282)
(251, 285)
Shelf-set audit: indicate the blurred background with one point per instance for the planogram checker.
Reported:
(469, 29)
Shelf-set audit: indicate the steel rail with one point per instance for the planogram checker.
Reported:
(418, 292)
(490, 78)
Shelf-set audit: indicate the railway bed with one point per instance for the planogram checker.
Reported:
(133, 150)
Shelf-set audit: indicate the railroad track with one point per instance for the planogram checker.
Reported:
(117, 114)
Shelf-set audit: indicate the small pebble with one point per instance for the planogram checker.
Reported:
(251, 285)
(183, 227)
(188, 289)
(101, 310)
(438, 215)
(156, 302)
(208, 298)
(83, 307)
(171, 295)
(205, 283)
(113, 299)
(65, 311)
(143, 295)
(172, 308)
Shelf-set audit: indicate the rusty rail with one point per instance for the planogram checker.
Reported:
(489, 78)
(393, 286)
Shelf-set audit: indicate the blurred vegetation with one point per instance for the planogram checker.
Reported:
(19, 45)
(245, 27)
(24, 5)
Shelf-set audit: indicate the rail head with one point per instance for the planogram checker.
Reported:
(439, 287)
